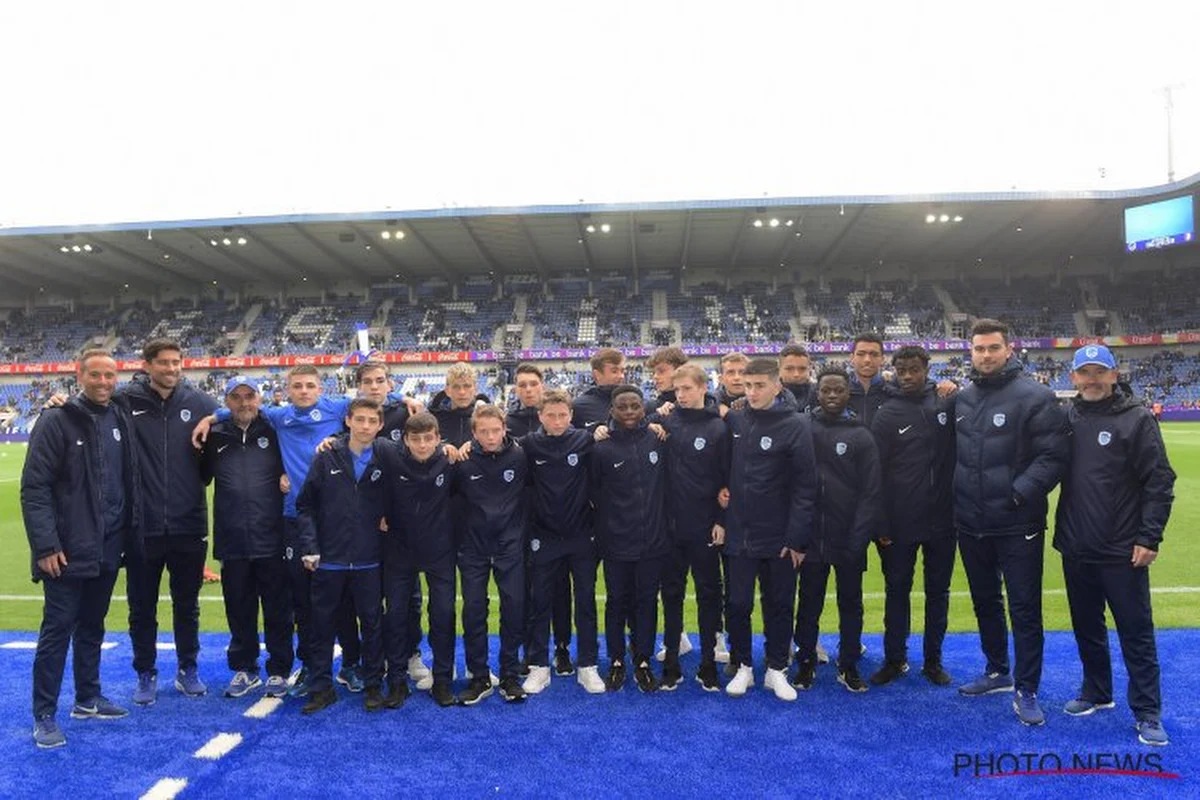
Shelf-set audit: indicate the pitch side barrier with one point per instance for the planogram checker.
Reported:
(583, 353)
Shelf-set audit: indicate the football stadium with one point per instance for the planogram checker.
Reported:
(448, 334)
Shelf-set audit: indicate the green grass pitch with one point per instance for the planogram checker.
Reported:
(1173, 581)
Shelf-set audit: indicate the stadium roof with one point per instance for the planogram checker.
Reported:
(818, 235)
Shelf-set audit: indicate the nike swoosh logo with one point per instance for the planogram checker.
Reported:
(222, 448)
(335, 472)
(1032, 536)
(539, 461)
(476, 477)
(905, 429)
(403, 478)
(590, 424)
(960, 419)
(139, 413)
(79, 442)
(618, 465)
(737, 436)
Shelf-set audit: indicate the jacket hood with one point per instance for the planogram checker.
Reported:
(1011, 369)
(847, 417)
(892, 389)
(505, 446)
(1123, 399)
(712, 408)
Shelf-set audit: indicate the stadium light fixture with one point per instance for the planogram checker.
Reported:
(385, 235)
(930, 219)
(399, 235)
(606, 228)
(944, 218)
(226, 241)
(958, 217)
(76, 248)
(87, 248)
(591, 229)
(213, 242)
(241, 240)
(758, 223)
(789, 223)
(1019, 229)
(64, 249)
(774, 223)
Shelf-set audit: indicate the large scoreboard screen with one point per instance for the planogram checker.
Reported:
(1163, 224)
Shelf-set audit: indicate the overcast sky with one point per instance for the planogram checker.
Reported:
(170, 110)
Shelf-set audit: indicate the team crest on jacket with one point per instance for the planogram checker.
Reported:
(699, 443)
(186, 415)
(942, 418)
(573, 459)
(117, 434)
(998, 420)
(765, 443)
(264, 442)
(396, 434)
(376, 475)
(653, 456)
(1104, 438)
(440, 480)
(840, 448)
(509, 475)
(315, 415)
(535, 544)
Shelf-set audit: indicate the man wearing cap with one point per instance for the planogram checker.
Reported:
(241, 455)
(1116, 498)
(1011, 451)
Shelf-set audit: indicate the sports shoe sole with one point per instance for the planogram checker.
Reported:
(997, 690)
(850, 688)
(1147, 741)
(186, 693)
(243, 692)
(51, 745)
(1092, 709)
(96, 715)
(485, 695)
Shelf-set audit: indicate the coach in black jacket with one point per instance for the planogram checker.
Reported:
(1012, 449)
(914, 430)
(241, 458)
(1115, 502)
(80, 504)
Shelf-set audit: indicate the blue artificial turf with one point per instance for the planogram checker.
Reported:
(897, 741)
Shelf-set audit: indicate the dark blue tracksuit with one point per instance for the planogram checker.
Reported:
(1012, 449)
(697, 470)
(592, 407)
(772, 489)
(652, 403)
(454, 424)
(865, 402)
(175, 525)
(628, 488)
(340, 507)
(492, 486)
(915, 436)
(521, 420)
(79, 496)
(561, 540)
(805, 394)
(420, 538)
(1116, 495)
(244, 466)
(848, 516)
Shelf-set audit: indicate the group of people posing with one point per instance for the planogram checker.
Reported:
(327, 512)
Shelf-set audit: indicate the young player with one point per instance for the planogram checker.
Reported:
(592, 407)
(455, 405)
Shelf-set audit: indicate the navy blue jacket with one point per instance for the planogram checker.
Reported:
(454, 424)
(521, 420)
(395, 414)
(805, 394)
(850, 496)
(338, 516)
(420, 526)
(1119, 488)
(772, 480)
(493, 487)
(61, 482)
(629, 486)
(1012, 450)
(592, 407)
(652, 403)
(697, 469)
(864, 404)
(915, 436)
(726, 399)
(173, 497)
(247, 504)
(558, 470)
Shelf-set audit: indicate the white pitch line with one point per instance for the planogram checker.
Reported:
(166, 789)
(263, 708)
(33, 645)
(218, 746)
(120, 598)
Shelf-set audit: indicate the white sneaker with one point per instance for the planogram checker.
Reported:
(740, 682)
(685, 647)
(776, 680)
(539, 679)
(721, 651)
(589, 678)
(822, 654)
(419, 672)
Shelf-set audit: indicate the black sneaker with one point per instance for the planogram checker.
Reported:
(889, 672)
(731, 667)
(318, 701)
(523, 668)
(645, 679)
(562, 662)
(672, 675)
(374, 699)
(848, 677)
(805, 675)
(511, 690)
(616, 677)
(476, 690)
(936, 675)
(398, 692)
(706, 676)
(442, 695)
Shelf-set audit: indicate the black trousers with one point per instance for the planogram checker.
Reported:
(632, 588)
(547, 578)
(1017, 561)
(899, 565)
(73, 615)
(402, 595)
(704, 563)
(330, 589)
(814, 580)
(1126, 591)
(777, 578)
(247, 583)
(300, 586)
(474, 570)
(183, 559)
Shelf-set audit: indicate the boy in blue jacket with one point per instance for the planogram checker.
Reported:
(341, 509)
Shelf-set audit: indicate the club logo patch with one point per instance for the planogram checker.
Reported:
(1091, 352)
(653, 456)
(840, 448)
(287, 553)
(375, 475)
(998, 420)
(117, 434)
(942, 418)
(535, 544)
(315, 415)
(264, 442)
(509, 475)
(396, 434)
(573, 459)
(699, 443)
(440, 480)
(765, 443)
(186, 415)
(1104, 438)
